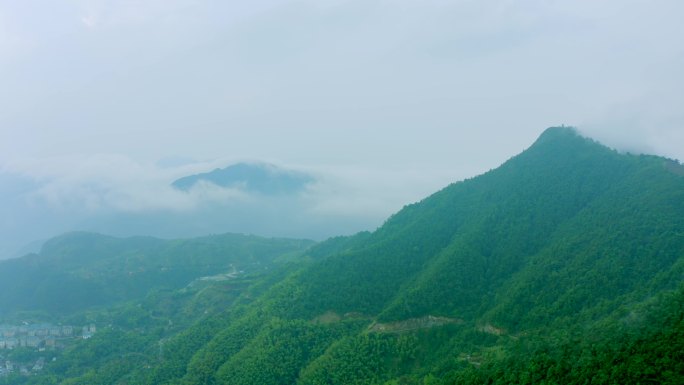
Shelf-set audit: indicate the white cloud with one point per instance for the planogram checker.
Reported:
(386, 101)
(106, 183)
(244, 78)
(89, 21)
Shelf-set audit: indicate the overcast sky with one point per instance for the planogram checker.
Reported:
(391, 99)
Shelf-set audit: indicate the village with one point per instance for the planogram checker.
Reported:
(39, 337)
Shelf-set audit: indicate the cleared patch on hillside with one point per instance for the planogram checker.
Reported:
(426, 322)
(491, 329)
(332, 317)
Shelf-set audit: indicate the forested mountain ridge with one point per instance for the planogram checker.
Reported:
(461, 251)
(564, 265)
(79, 270)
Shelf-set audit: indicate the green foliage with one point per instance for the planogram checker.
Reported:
(81, 270)
(354, 360)
(650, 352)
(229, 341)
(279, 351)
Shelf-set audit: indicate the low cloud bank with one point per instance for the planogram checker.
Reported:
(117, 195)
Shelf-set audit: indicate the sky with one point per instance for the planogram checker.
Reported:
(105, 102)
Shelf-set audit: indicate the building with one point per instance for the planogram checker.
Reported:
(39, 365)
(88, 331)
(33, 342)
(37, 336)
(11, 343)
(9, 333)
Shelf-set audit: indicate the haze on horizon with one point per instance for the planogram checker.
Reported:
(106, 102)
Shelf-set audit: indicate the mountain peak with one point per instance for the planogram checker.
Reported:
(556, 141)
(253, 177)
(559, 133)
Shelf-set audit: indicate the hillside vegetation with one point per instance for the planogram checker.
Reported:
(78, 271)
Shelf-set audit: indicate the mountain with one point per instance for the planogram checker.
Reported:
(243, 198)
(499, 245)
(259, 178)
(563, 265)
(77, 271)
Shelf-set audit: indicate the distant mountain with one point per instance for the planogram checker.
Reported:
(563, 265)
(79, 270)
(259, 178)
(270, 202)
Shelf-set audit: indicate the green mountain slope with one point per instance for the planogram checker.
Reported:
(565, 208)
(565, 263)
(80, 270)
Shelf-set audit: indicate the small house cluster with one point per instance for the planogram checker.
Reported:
(88, 331)
(8, 367)
(39, 335)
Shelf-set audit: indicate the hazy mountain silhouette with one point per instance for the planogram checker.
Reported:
(259, 178)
